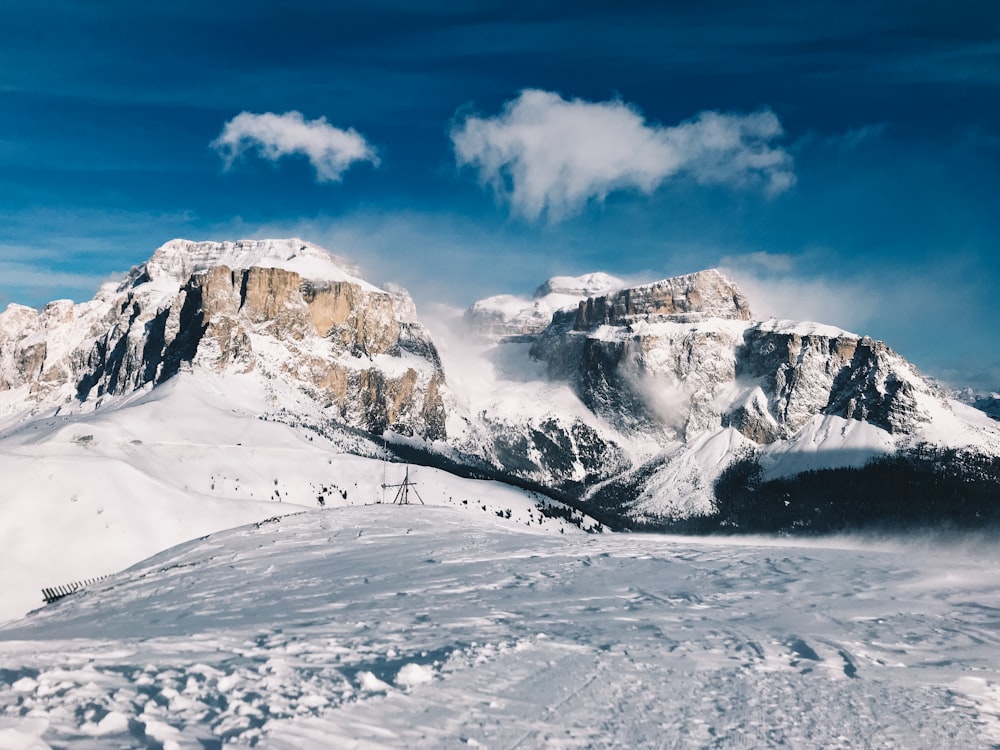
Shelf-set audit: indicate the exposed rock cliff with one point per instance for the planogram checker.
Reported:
(805, 370)
(358, 347)
(681, 357)
(687, 381)
(706, 294)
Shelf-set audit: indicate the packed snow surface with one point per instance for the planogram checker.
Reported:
(424, 627)
(804, 328)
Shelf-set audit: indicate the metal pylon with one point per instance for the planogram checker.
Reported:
(403, 490)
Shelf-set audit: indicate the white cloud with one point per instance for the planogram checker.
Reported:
(780, 286)
(330, 150)
(848, 304)
(36, 285)
(549, 155)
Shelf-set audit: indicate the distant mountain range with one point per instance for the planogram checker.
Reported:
(661, 405)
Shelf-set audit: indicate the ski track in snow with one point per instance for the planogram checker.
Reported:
(420, 627)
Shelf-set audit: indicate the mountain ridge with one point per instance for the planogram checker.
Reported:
(667, 382)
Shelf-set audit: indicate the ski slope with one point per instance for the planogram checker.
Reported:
(86, 494)
(434, 627)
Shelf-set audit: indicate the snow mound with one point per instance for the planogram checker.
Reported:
(587, 285)
(178, 259)
(414, 674)
(507, 315)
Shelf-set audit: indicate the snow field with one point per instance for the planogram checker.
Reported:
(425, 627)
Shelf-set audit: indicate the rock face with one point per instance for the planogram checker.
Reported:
(553, 451)
(358, 348)
(806, 371)
(680, 365)
(706, 294)
(681, 356)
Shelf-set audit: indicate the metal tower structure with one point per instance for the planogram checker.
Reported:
(403, 490)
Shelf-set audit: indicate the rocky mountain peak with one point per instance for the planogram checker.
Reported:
(629, 399)
(282, 309)
(509, 317)
(695, 296)
(177, 260)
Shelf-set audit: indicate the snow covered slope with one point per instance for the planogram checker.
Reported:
(424, 627)
(86, 494)
(988, 403)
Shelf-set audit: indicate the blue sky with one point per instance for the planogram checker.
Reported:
(841, 160)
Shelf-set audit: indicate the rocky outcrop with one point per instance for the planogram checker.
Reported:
(652, 358)
(40, 350)
(706, 294)
(878, 387)
(554, 451)
(679, 357)
(805, 371)
(661, 379)
(335, 334)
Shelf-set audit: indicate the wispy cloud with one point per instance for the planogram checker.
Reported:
(330, 150)
(35, 285)
(24, 274)
(845, 141)
(69, 251)
(783, 285)
(546, 154)
(855, 137)
(760, 261)
(843, 303)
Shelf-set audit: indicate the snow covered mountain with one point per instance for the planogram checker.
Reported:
(279, 308)
(263, 387)
(988, 403)
(629, 403)
(214, 386)
(670, 382)
(508, 317)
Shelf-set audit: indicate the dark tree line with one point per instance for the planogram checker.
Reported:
(923, 487)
